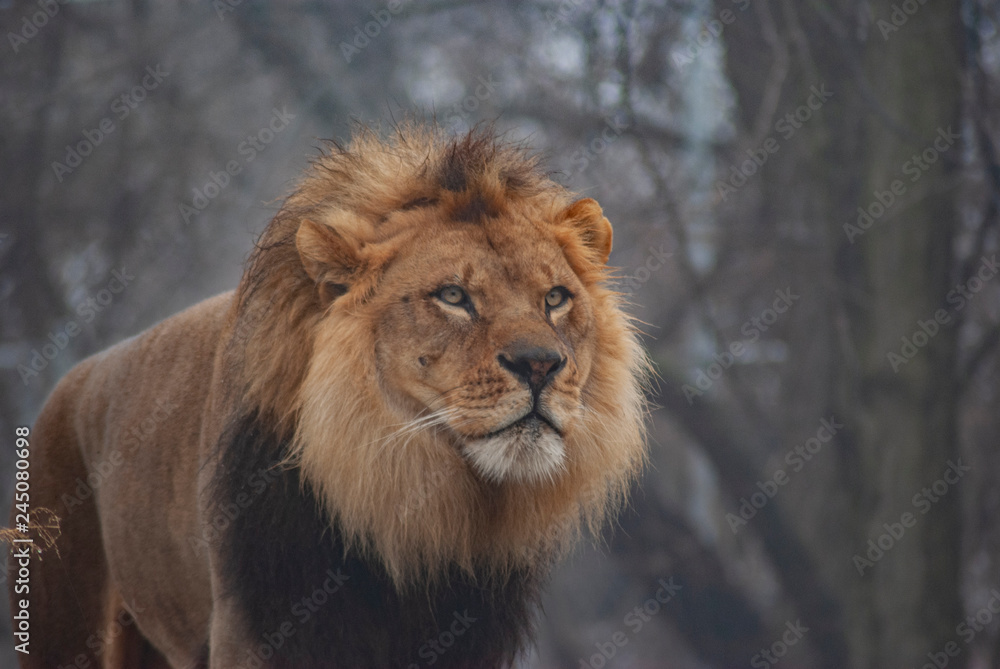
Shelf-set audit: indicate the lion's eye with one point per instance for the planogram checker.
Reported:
(556, 297)
(453, 295)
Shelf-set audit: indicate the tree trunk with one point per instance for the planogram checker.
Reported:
(895, 84)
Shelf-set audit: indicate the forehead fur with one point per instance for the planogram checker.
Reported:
(473, 176)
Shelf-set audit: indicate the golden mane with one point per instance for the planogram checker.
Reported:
(398, 491)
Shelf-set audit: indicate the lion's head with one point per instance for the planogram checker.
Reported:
(429, 319)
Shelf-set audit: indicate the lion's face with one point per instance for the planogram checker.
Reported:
(486, 331)
(482, 326)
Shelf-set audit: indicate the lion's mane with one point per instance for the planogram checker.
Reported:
(405, 497)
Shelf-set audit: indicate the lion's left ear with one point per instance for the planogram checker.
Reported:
(329, 257)
(587, 220)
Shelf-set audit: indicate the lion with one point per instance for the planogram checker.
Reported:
(422, 393)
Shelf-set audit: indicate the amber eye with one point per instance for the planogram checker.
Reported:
(452, 295)
(556, 297)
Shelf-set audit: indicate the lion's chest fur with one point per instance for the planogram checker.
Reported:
(309, 603)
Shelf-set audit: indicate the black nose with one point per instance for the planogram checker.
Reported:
(534, 365)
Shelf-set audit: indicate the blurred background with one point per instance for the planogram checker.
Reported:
(805, 198)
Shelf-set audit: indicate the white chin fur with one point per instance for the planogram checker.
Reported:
(526, 453)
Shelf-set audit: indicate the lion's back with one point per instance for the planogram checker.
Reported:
(169, 366)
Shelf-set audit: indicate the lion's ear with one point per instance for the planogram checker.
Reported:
(587, 220)
(328, 257)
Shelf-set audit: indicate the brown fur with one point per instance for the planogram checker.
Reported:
(335, 337)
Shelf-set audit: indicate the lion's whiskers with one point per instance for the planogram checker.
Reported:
(412, 427)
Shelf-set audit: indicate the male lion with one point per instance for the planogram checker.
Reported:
(370, 454)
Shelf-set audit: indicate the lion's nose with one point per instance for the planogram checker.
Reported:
(534, 365)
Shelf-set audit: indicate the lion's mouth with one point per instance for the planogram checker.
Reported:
(534, 419)
(528, 449)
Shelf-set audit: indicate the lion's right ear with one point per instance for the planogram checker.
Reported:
(328, 257)
(587, 221)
